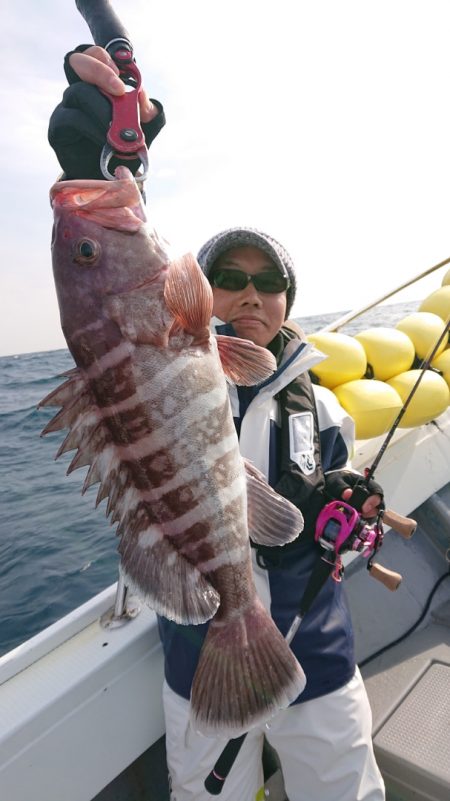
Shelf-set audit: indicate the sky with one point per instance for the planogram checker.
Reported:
(325, 123)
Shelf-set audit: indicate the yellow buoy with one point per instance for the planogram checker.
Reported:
(429, 401)
(346, 358)
(388, 351)
(442, 363)
(374, 405)
(423, 329)
(446, 278)
(438, 303)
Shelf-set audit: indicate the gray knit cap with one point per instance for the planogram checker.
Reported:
(240, 237)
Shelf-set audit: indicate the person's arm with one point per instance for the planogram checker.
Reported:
(78, 125)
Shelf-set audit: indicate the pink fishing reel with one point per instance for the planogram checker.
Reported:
(339, 528)
(335, 524)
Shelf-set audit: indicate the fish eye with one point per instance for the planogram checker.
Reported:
(87, 252)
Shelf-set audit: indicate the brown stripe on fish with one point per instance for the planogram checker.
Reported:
(178, 436)
(182, 496)
(195, 544)
(114, 384)
(161, 472)
(107, 358)
(189, 514)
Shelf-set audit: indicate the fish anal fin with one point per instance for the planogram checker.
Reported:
(246, 673)
(168, 582)
(243, 362)
(188, 296)
(272, 519)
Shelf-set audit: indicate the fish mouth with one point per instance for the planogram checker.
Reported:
(112, 204)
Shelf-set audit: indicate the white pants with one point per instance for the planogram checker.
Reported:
(324, 745)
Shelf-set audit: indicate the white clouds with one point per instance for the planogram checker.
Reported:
(325, 123)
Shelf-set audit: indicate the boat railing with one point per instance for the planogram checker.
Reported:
(336, 325)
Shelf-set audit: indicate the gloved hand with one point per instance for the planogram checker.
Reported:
(78, 125)
(341, 484)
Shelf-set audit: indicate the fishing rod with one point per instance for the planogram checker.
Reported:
(339, 530)
(352, 315)
(125, 138)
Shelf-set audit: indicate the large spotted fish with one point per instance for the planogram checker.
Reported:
(147, 409)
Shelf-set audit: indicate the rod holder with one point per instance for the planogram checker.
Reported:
(125, 607)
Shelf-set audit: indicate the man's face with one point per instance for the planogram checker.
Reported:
(254, 315)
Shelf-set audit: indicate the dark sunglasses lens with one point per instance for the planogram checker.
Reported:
(270, 282)
(236, 280)
(233, 280)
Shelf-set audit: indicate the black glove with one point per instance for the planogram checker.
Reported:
(339, 480)
(79, 124)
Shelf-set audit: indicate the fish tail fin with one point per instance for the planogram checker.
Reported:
(246, 673)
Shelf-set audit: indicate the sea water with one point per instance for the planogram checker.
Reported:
(56, 549)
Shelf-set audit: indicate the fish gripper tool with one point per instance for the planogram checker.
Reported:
(125, 139)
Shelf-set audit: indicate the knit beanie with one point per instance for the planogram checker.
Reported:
(240, 237)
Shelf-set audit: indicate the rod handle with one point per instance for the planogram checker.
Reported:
(215, 780)
(405, 526)
(102, 21)
(389, 578)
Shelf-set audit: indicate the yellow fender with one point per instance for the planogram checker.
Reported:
(374, 405)
(346, 358)
(438, 303)
(423, 329)
(388, 351)
(442, 363)
(429, 401)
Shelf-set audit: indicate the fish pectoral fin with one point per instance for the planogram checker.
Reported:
(272, 519)
(188, 296)
(243, 362)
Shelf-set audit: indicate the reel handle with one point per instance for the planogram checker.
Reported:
(405, 526)
(389, 578)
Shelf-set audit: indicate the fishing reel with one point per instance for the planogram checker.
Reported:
(341, 529)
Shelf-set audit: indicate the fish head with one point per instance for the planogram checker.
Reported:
(109, 268)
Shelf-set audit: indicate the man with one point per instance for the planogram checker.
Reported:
(300, 437)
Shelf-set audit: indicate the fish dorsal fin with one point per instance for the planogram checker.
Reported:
(243, 362)
(272, 519)
(188, 296)
(153, 566)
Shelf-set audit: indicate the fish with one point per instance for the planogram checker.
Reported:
(148, 414)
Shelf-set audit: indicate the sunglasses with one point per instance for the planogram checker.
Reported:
(236, 280)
